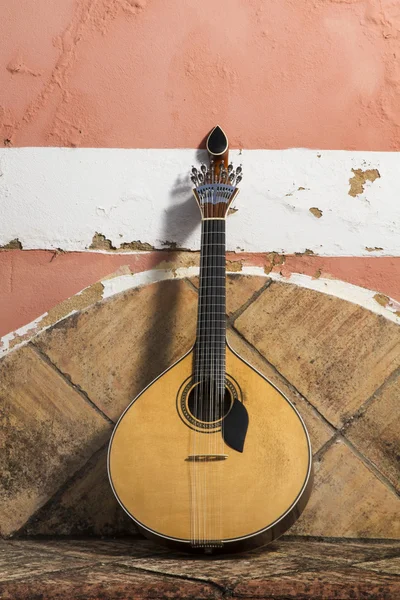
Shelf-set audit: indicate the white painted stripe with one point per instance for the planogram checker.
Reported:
(346, 291)
(59, 197)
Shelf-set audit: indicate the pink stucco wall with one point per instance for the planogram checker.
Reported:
(156, 73)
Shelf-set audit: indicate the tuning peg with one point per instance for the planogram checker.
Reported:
(203, 169)
(231, 177)
(194, 171)
(194, 179)
(239, 170)
(239, 179)
(200, 177)
(230, 168)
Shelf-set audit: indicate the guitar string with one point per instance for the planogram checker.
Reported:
(198, 391)
(207, 365)
(218, 466)
(222, 370)
(213, 370)
(215, 310)
(212, 374)
(206, 399)
(202, 363)
(215, 384)
(201, 378)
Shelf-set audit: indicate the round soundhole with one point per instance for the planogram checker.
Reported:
(207, 403)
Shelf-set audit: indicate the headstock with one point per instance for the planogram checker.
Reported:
(215, 186)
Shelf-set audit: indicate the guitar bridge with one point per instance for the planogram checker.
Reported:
(206, 457)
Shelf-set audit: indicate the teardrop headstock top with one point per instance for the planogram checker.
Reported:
(216, 184)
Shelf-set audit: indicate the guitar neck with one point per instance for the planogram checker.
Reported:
(211, 324)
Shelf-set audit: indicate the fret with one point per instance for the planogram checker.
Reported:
(218, 364)
(213, 244)
(207, 304)
(215, 380)
(213, 366)
(207, 342)
(209, 375)
(205, 326)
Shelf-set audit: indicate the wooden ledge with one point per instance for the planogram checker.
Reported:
(129, 568)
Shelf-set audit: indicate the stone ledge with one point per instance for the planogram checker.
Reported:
(135, 569)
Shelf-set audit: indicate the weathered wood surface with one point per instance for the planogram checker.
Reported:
(134, 569)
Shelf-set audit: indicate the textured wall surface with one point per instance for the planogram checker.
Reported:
(155, 74)
(61, 394)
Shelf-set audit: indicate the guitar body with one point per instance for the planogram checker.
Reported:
(185, 487)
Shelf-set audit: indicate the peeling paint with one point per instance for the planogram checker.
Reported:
(170, 245)
(316, 212)
(85, 298)
(179, 260)
(317, 274)
(274, 259)
(88, 296)
(372, 248)
(307, 252)
(136, 245)
(234, 265)
(381, 299)
(360, 178)
(100, 242)
(14, 244)
(122, 270)
(56, 253)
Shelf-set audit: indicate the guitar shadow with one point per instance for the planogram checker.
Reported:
(180, 222)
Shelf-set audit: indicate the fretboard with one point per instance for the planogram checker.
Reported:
(211, 325)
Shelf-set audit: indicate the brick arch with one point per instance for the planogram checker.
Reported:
(62, 392)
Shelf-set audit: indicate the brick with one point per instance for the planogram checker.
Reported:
(375, 432)
(48, 432)
(334, 352)
(318, 430)
(114, 349)
(348, 500)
